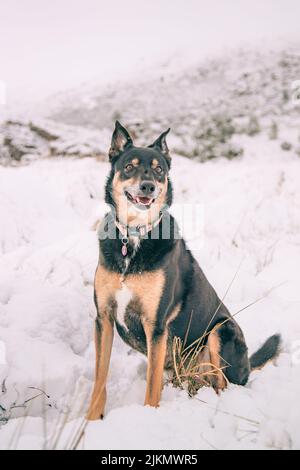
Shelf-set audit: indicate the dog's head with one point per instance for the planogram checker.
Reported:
(138, 186)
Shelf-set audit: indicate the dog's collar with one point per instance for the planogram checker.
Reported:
(137, 231)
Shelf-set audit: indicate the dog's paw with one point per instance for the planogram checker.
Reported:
(219, 384)
(94, 416)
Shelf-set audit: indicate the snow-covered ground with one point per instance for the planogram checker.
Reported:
(48, 256)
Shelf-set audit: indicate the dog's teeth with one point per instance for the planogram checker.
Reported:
(139, 200)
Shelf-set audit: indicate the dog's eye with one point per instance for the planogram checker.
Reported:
(158, 169)
(128, 167)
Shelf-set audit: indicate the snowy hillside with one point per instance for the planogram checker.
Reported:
(208, 105)
(251, 226)
(23, 141)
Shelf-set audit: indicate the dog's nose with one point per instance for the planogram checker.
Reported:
(147, 187)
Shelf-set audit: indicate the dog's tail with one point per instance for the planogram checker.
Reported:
(268, 351)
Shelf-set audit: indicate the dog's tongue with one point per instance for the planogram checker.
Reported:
(144, 200)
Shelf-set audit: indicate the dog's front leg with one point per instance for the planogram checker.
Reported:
(103, 343)
(156, 353)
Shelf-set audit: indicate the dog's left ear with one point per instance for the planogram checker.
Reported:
(161, 145)
(120, 141)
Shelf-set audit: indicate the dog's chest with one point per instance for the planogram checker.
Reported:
(133, 295)
(123, 297)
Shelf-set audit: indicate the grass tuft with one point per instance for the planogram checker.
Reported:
(192, 368)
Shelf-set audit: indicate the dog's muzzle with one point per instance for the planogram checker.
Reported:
(144, 195)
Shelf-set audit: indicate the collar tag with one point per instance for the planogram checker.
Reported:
(124, 246)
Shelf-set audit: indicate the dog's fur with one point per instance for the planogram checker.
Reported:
(157, 291)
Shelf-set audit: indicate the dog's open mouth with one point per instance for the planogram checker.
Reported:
(141, 201)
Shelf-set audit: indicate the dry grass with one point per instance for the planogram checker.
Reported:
(65, 432)
(192, 368)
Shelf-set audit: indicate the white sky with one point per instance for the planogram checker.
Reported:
(48, 45)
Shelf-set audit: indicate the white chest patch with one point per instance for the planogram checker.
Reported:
(135, 242)
(123, 297)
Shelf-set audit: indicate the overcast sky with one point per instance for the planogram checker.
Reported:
(48, 45)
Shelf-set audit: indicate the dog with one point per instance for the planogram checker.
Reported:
(149, 285)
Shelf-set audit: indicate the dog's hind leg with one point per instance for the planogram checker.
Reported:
(210, 372)
(103, 346)
(216, 375)
(156, 353)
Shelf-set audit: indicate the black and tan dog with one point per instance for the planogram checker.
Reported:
(149, 285)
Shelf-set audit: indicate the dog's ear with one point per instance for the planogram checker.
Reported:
(161, 145)
(119, 142)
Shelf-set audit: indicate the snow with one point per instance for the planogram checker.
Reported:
(49, 251)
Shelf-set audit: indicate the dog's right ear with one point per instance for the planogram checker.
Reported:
(119, 142)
